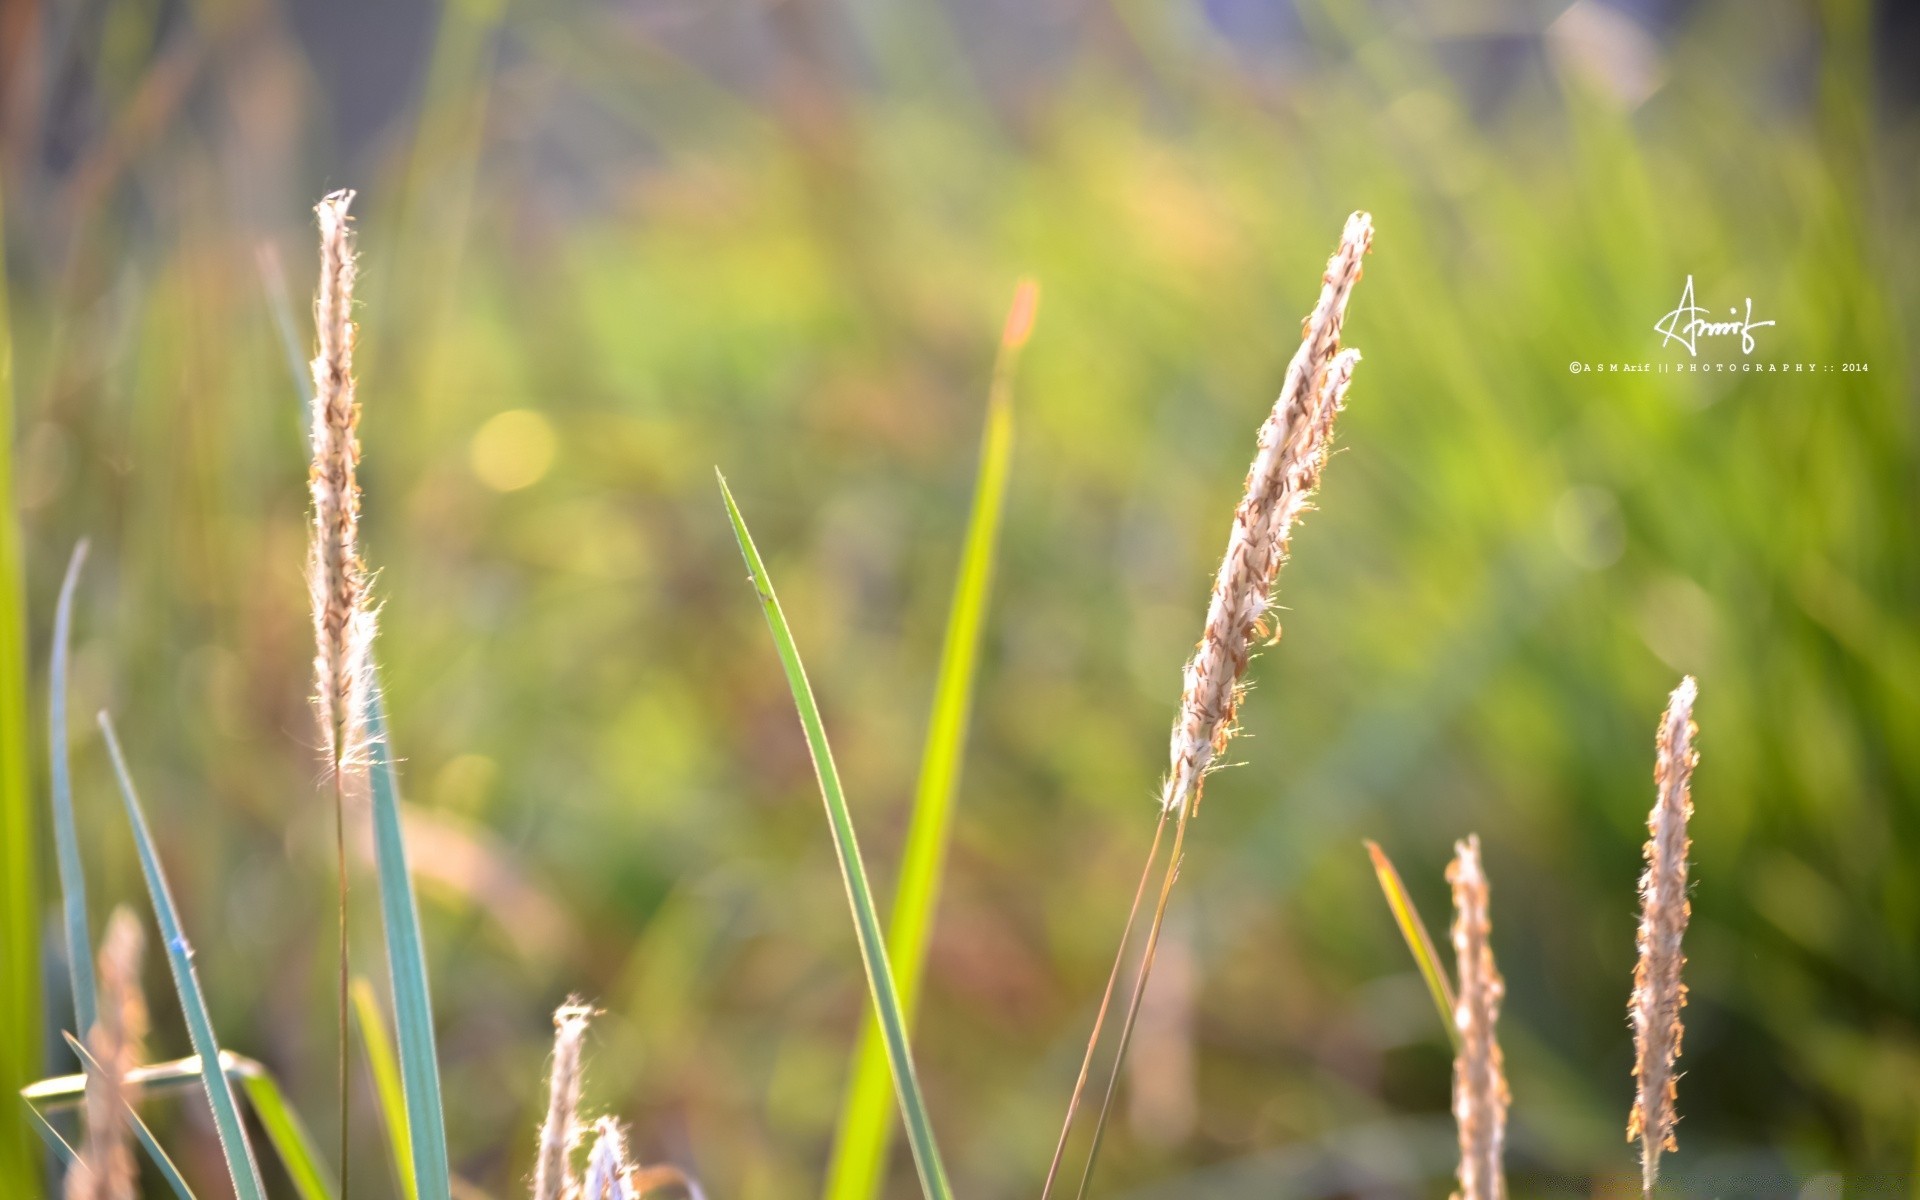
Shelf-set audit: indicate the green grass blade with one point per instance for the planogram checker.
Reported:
(148, 1142)
(66, 837)
(1414, 930)
(386, 1082)
(866, 920)
(19, 868)
(176, 1182)
(407, 964)
(69, 1157)
(866, 1117)
(241, 1167)
(286, 1131)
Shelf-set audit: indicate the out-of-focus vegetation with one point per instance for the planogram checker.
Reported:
(608, 247)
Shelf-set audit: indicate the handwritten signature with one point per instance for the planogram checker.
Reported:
(1687, 324)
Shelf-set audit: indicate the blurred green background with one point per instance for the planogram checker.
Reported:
(609, 246)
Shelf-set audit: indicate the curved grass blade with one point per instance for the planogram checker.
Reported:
(407, 964)
(866, 1120)
(866, 920)
(386, 1082)
(285, 1130)
(148, 1142)
(1419, 942)
(241, 1167)
(66, 838)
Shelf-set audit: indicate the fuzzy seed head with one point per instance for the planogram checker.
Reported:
(1286, 469)
(610, 1172)
(553, 1170)
(343, 621)
(107, 1170)
(1658, 993)
(1479, 1071)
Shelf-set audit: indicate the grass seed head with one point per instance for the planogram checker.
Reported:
(553, 1170)
(342, 619)
(108, 1171)
(1479, 1072)
(1286, 468)
(1658, 993)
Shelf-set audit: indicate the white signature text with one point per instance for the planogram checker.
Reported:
(1687, 324)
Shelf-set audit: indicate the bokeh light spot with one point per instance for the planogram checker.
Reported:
(513, 450)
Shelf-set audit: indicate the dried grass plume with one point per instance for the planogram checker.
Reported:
(553, 1171)
(1479, 1071)
(1658, 993)
(342, 618)
(1286, 469)
(107, 1170)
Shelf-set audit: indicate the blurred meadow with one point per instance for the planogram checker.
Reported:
(608, 246)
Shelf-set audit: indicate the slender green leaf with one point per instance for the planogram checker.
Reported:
(287, 1132)
(66, 837)
(1414, 930)
(19, 857)
(866, 1117)
(148, 1142)
(866, 920)
(386, 1082)
(241, 1167)
(407, 964)
(69, 1157)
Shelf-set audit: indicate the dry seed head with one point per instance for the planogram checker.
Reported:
(115, 1040)
(609, 1169)
(342, 618)
(1292, 450)
(553, 1171)
(1658, 993)
(1479, 1071)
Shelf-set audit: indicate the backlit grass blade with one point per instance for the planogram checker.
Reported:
(407, 964)
(866, 920)
(69, 1157)
(386, 1082)
(66, 837)
(1414, 930)
(866, 1117)
(148, 1142)
(19, 870)
(241, 1167)
(289, 1135)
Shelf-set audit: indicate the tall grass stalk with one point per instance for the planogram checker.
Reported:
(1658, 993)
(866, 1118)
(853, 874)
(342, 619)
(1293, 445)
(19, 869)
